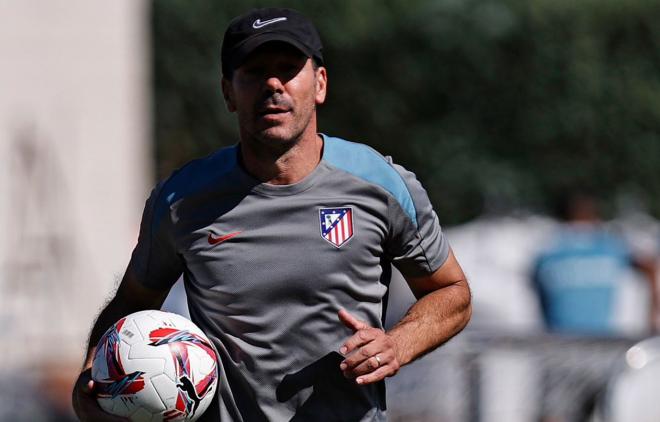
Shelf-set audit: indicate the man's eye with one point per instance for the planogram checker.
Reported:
(290, 68)
(253, 70)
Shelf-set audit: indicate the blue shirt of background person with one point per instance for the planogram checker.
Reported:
(578, 278)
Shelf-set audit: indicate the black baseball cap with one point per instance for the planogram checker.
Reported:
(247, 32)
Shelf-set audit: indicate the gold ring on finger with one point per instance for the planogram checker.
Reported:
(378, 359)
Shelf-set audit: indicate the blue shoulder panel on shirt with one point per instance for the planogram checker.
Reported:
(363, 162)
(193, 177)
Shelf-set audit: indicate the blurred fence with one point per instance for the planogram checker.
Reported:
(482, 377)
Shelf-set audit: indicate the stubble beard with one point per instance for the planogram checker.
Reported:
(277, 140)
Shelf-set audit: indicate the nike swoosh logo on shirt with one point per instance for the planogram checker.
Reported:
(259, 24)
(215, 240)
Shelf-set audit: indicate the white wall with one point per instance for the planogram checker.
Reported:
(74, 166)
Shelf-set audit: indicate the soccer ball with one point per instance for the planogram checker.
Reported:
(155, 366)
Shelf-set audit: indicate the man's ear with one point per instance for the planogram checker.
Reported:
(321, 85)
(228, 94)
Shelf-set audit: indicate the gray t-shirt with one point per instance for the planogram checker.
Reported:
(267, 267)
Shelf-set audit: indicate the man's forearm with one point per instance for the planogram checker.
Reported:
(130, 297)
(431, 321)
(112, 312)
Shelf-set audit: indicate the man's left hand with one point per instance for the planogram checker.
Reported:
(370, 353)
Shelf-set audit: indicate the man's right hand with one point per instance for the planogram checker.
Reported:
(131, 296)
(84, 401)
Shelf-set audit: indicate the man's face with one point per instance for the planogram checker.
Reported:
(275, 93)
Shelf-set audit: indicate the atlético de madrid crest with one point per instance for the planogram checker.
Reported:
(336, 225)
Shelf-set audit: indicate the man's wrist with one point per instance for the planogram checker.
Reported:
(402, 352)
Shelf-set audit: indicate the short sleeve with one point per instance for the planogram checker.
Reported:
(155, 260)
(416, 243)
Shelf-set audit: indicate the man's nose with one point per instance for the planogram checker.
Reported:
(273, 83)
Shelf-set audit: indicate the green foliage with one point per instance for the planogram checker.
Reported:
(495, 105)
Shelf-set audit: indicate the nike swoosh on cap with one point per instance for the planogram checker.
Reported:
(215, 240)
(259, 24)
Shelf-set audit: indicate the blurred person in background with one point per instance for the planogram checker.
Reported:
(581, 272)
(580, 277)
(286, 242)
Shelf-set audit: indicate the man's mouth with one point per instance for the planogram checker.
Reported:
(273, 110)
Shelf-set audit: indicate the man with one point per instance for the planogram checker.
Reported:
(286, 243)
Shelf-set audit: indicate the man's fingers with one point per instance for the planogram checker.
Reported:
(350, 321)
(370, 352)
(91, 411)
(85, 404)
(359, 339)
(363, 332)
(376, 368)
(366, 360)
(355, 359)
(375, 376)
(88, 387)
(85, 383)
